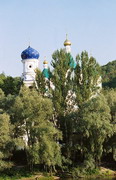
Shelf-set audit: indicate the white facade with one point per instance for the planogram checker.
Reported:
(68, 48)
(29, 68)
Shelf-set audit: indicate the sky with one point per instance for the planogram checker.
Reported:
(90, 25)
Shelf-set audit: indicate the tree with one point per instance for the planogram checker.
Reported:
(2, 78)
(61, 78)
(76, 85)
(5, 135)
(109, 75)
(11, 85)
(1, 95)
(41, 82)
(110, 95)
(92, 127)
(86, 79)
(5, 140)
(62, 81)
(110, 143)
(32, 116)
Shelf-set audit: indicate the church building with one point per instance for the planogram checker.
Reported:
(30, 60)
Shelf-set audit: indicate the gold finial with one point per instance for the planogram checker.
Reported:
(67, 42)
(45, 61)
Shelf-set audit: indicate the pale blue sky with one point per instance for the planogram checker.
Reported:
(90, 24)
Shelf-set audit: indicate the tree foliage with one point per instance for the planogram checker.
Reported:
(87, 74)
(41, 83)
(109, 75)
(92, 128)
(5, 140)
(73, 121)
(62, 81)
(61, 78)
(33, 115)
(10, 85)
(110, 144)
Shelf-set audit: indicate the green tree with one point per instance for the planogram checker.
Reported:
(11, 85)
(32, 116)
(2, 78)
(92, 127)
(61, 79)
(110, 95)
(87, 75)
(62, 92)
(109, 75)
(5, 140)
(41, 82)
(1, 95)
(110, 143)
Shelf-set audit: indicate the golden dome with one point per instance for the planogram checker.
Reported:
(45, 62)
(67, 43)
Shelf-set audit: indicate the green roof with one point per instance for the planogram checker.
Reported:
(46, 73)
(72, 63)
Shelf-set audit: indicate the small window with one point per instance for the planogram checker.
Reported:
(30, 87)
(30, 66)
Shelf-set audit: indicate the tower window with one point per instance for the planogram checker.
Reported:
(30, 66)
(30, 87)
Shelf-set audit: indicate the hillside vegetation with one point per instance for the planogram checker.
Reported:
(109, 75)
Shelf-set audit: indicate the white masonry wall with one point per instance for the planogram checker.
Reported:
(68, 49)
(29, 67)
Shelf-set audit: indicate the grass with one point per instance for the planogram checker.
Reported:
(23, 174)
(5, 177)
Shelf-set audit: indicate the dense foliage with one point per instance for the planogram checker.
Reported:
(87, 77)
(9, 84)
(109, 74)
(68, 125)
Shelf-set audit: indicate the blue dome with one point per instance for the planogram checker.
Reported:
(30, 53)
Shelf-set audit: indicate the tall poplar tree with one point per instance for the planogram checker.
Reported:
(62, 81)
(87, 77)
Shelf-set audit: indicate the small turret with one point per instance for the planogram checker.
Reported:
(45, 64)
(46, 72)
(67, 45)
